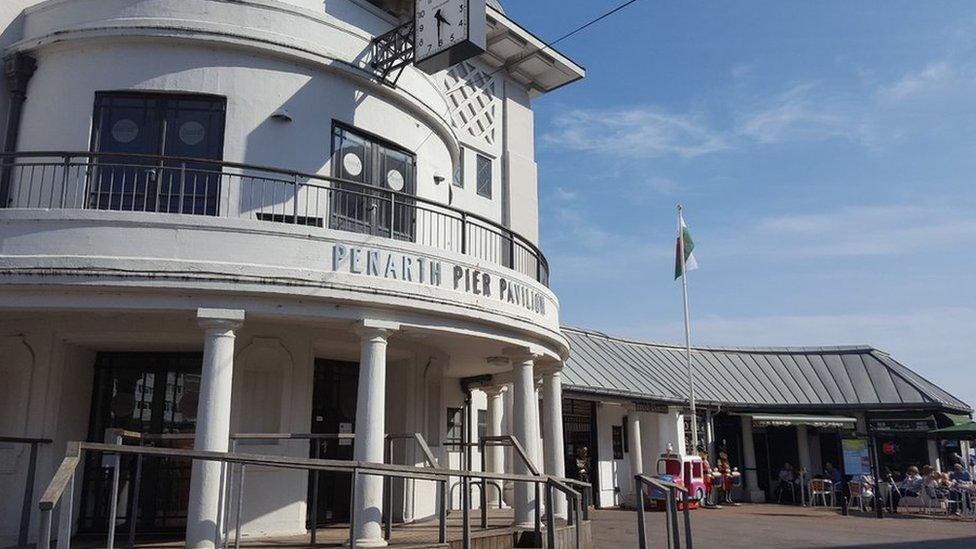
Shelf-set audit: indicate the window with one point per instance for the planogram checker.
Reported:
(482, 424)
(459, 175)
(618, 442)
(372, 164)
(484, 176)
(157, 125)
(455, 429)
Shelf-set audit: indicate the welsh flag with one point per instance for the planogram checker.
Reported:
(687, 245)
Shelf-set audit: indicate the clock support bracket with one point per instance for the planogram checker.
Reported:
(392, 52)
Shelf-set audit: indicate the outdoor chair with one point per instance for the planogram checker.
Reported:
(783, 488)
(932, 499)
(821, 488)
(860, 493)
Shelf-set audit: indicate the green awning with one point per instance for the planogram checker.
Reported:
(789, 420)
(962, 431)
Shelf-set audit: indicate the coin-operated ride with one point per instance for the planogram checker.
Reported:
(685, 471)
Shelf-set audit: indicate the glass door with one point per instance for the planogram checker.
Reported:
(380, 169)
(157, 125)
(150, 393)
(333, 411)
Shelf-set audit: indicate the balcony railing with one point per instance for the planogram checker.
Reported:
(174, 185)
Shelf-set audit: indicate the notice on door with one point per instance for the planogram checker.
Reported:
(345, 429)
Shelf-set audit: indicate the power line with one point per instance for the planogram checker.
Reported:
(593, 22)
(546, 46)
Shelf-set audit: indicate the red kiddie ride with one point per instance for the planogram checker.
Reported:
(686, 471)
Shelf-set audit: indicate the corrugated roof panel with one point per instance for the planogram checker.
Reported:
(863, 387)
(881, 379)
(746, 377)
(810, 374)
(755, 374)
(830, 384)
(925, 387)
(841, 377)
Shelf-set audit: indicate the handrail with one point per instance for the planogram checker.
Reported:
(662, 484)
(671, 490)
(25, 512)
(25, 440)
(122, 434)
(178, 164)
(64, 477)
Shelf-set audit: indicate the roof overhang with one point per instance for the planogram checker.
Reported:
(792, 420)
(526, 58)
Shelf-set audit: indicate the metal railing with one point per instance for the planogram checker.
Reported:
(191, 186)
(60, 491)
(671, 491)
(119, 436)
(25, 509)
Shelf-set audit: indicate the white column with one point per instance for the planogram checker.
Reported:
(634, 442)
(371, 430)
(803, 449)
(523, 404)
(710, 436)
(495, 455)
(213, 424)
(753, 493)
(635, 448)
(934, 461)
(552, 396)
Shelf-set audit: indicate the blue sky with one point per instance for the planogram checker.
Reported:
(825, 153)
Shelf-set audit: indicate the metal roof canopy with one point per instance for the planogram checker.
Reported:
(770, 379)
(526, 57)
(791, 420)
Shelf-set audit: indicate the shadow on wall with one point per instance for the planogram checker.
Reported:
(303, 143)
(10, 34)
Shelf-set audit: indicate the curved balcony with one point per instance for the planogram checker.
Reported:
(189, 186)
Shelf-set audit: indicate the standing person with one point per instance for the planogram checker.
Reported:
(707, 475)
(583, 464)
(724, 467)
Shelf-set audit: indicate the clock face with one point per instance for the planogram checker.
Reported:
(440, 25)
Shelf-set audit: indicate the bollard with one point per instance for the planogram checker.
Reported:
(687, 513)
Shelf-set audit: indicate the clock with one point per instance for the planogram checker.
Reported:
(447, 32)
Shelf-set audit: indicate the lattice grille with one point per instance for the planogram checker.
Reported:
(471, 97)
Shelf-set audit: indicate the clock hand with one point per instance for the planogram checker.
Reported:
(439, 17)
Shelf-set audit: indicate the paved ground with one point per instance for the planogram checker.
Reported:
(787, 527)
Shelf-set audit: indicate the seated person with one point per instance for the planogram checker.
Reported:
(960, 481)
(786, 479)
(910, 486)
(834, 475)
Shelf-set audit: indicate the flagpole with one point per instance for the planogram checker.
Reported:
(691, 376)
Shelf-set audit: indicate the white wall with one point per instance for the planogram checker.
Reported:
(614, 474)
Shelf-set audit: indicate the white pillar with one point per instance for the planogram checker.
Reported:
(635, 448)
(934, 461)
(371, 430)
(495, 455)
(523, 404)
(709, 436)
(552, 396)
(803, 449)
(753, 493)
(213, 424)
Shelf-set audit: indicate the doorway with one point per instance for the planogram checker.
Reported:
(579, 431)
(334, 396)
(150, 393)
(157, 126)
